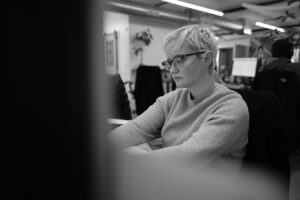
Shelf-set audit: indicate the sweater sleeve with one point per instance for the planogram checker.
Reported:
(224, 131)
(144, 128)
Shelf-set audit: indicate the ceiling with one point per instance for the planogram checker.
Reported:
(245, 12)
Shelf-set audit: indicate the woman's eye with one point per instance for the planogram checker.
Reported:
(177, 60)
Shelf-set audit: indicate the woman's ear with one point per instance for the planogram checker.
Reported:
(208, 57)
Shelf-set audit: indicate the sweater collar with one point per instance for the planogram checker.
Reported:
(206, 94)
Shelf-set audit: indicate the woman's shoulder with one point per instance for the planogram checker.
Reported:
(175, 93)
(224, 94)
(223, 90)
(227, 102)
(173, 96)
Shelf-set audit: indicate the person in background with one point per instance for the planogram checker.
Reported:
(261, 57)
(118, 98)
(201, 120)
(282, 52)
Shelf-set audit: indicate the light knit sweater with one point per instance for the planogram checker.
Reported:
(211, 129)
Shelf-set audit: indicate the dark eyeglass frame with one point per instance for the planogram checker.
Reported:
(168, 63)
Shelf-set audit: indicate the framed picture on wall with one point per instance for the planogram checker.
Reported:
(111, 52)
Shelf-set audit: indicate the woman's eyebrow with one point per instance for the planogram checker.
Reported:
(175, 56)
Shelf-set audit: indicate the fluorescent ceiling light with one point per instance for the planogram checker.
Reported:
(248, 31)
(269, 26)
(195, 7)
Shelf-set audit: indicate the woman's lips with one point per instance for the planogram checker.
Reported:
(177, 77)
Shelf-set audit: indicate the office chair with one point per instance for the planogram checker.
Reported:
(267, 147)
(284, 85)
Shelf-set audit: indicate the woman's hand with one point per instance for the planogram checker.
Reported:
(134, 150)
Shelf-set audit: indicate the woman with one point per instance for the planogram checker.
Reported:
(201, 120)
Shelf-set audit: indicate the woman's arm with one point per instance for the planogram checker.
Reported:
(144, 128)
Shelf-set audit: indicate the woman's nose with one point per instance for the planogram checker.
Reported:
(173, 68)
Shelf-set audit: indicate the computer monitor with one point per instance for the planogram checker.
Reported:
(244, 67)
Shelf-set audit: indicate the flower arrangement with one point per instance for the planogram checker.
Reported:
(287, 14)
(144, 38)
(292, 34)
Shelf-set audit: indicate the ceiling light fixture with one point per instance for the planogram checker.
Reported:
(247, 31)
(195, 7)
(269, 26)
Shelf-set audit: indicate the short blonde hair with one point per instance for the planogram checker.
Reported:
(194, 37)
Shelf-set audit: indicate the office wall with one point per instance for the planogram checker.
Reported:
(233, 43)
(119, 22)
(152, 54)
(127, 26)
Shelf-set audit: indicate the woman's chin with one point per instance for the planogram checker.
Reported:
(179, 85)
(178, 81)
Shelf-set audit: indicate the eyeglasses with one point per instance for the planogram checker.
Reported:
(178, 60)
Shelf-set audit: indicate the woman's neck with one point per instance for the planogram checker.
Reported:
(202, 90)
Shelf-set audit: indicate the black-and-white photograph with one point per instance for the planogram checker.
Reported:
(110, 51)
(152, 100)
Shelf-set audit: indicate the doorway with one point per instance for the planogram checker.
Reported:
(225, 63)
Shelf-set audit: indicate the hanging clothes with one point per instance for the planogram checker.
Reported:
(148, 87)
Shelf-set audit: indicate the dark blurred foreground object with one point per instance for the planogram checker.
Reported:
(118, 98)
(267, 142)
(148, 87)
(140, 179)
(47, 144)
(284, 85)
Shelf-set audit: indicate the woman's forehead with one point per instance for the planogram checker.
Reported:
(172, 49)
